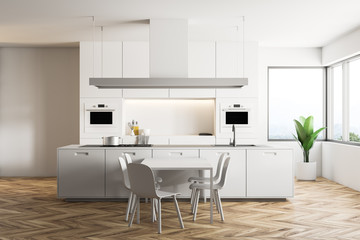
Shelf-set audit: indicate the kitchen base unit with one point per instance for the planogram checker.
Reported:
(270, 174)
(93, 172)
(81, 173)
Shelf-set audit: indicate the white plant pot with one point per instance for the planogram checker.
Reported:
(305, 171)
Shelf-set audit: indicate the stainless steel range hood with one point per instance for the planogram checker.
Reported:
(168, 82)
(168, 62)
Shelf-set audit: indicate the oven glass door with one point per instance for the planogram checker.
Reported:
(101, 118)
(236, 117)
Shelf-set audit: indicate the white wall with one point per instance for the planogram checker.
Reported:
(340, 161)
(342, 48)
(285, 57)
(341, 164)
(39, 108)
(171, 116)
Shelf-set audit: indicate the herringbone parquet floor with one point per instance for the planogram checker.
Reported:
(320, 210)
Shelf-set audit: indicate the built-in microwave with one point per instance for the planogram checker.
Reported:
(101, 117)
(235, 114)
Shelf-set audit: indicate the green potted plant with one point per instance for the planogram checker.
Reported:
(306, 137)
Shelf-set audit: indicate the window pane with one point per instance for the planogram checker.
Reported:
(354, 101)
(294, 92)
(337, 103)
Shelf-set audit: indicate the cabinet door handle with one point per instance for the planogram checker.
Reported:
(175, 153)
(270, 153)
(130, 153)
(81, 153)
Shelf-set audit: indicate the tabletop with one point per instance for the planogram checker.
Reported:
(183, 163)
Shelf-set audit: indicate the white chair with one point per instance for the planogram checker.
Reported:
(126, 181)
(216, 188)
(206, 179)
(129, 160)
(142, 182)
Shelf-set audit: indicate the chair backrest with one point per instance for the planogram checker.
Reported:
(224, 171)
(220, 165)
(128, 158)
(125, 174)
(142, 180)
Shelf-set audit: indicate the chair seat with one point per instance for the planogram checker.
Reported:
(163, 194)
(204, 186)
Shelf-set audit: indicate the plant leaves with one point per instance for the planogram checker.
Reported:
(302, 120)
(300, 131)
(309, 125)
(312, 138)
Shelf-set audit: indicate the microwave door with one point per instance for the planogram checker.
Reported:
(101, 118)
(237, 118)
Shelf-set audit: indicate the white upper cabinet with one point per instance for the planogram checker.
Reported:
(229, 64)
(112, 59)
(97, 61)
(229, 59)
(136, 60)
(201, 63)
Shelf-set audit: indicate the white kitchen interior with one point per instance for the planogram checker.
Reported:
(172, 81)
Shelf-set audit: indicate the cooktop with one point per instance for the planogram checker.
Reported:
(120, 145)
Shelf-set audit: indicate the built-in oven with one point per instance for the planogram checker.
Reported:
(235, 114)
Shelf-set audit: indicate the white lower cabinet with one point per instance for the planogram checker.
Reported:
(176, 181)
(114, 185)
(252, 173)
(270, 173)
(81, 173)
(235, 184)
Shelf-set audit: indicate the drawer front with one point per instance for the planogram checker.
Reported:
(175, 153)
(114, 183)
(270, 173)
(81, 173)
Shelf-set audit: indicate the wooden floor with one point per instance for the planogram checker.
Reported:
(320, 210)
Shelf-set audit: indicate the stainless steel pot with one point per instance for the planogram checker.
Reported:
(111, 141)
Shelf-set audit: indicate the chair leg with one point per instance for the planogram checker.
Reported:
(216, 201)
(192, 200)
(196, 200)
(192, 196)
(128, 207)
(153, 213)
(133, 211)
(159, 215)
(220, 205)
(133, 202)
(156, 205)
(178, 212)
(196, 203)
(138, 211)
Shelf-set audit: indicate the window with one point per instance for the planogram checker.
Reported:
(337, 103)
(294, 92)
(354, 101)
(344, 101)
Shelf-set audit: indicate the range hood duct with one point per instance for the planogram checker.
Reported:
(168, 62)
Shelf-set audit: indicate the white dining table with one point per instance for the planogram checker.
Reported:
(183, 163)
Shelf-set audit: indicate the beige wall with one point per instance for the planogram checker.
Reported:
(39, 108)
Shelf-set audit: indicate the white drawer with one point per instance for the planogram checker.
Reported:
(171, 153)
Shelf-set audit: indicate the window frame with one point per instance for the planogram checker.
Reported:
(325, 97)
(345, 101)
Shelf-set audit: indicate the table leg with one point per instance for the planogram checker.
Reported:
(211, 195)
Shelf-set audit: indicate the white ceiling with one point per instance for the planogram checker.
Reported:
(284, 23)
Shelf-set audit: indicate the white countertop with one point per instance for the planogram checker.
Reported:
(77, 146)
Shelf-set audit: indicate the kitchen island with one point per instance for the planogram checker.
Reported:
(93, 172)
